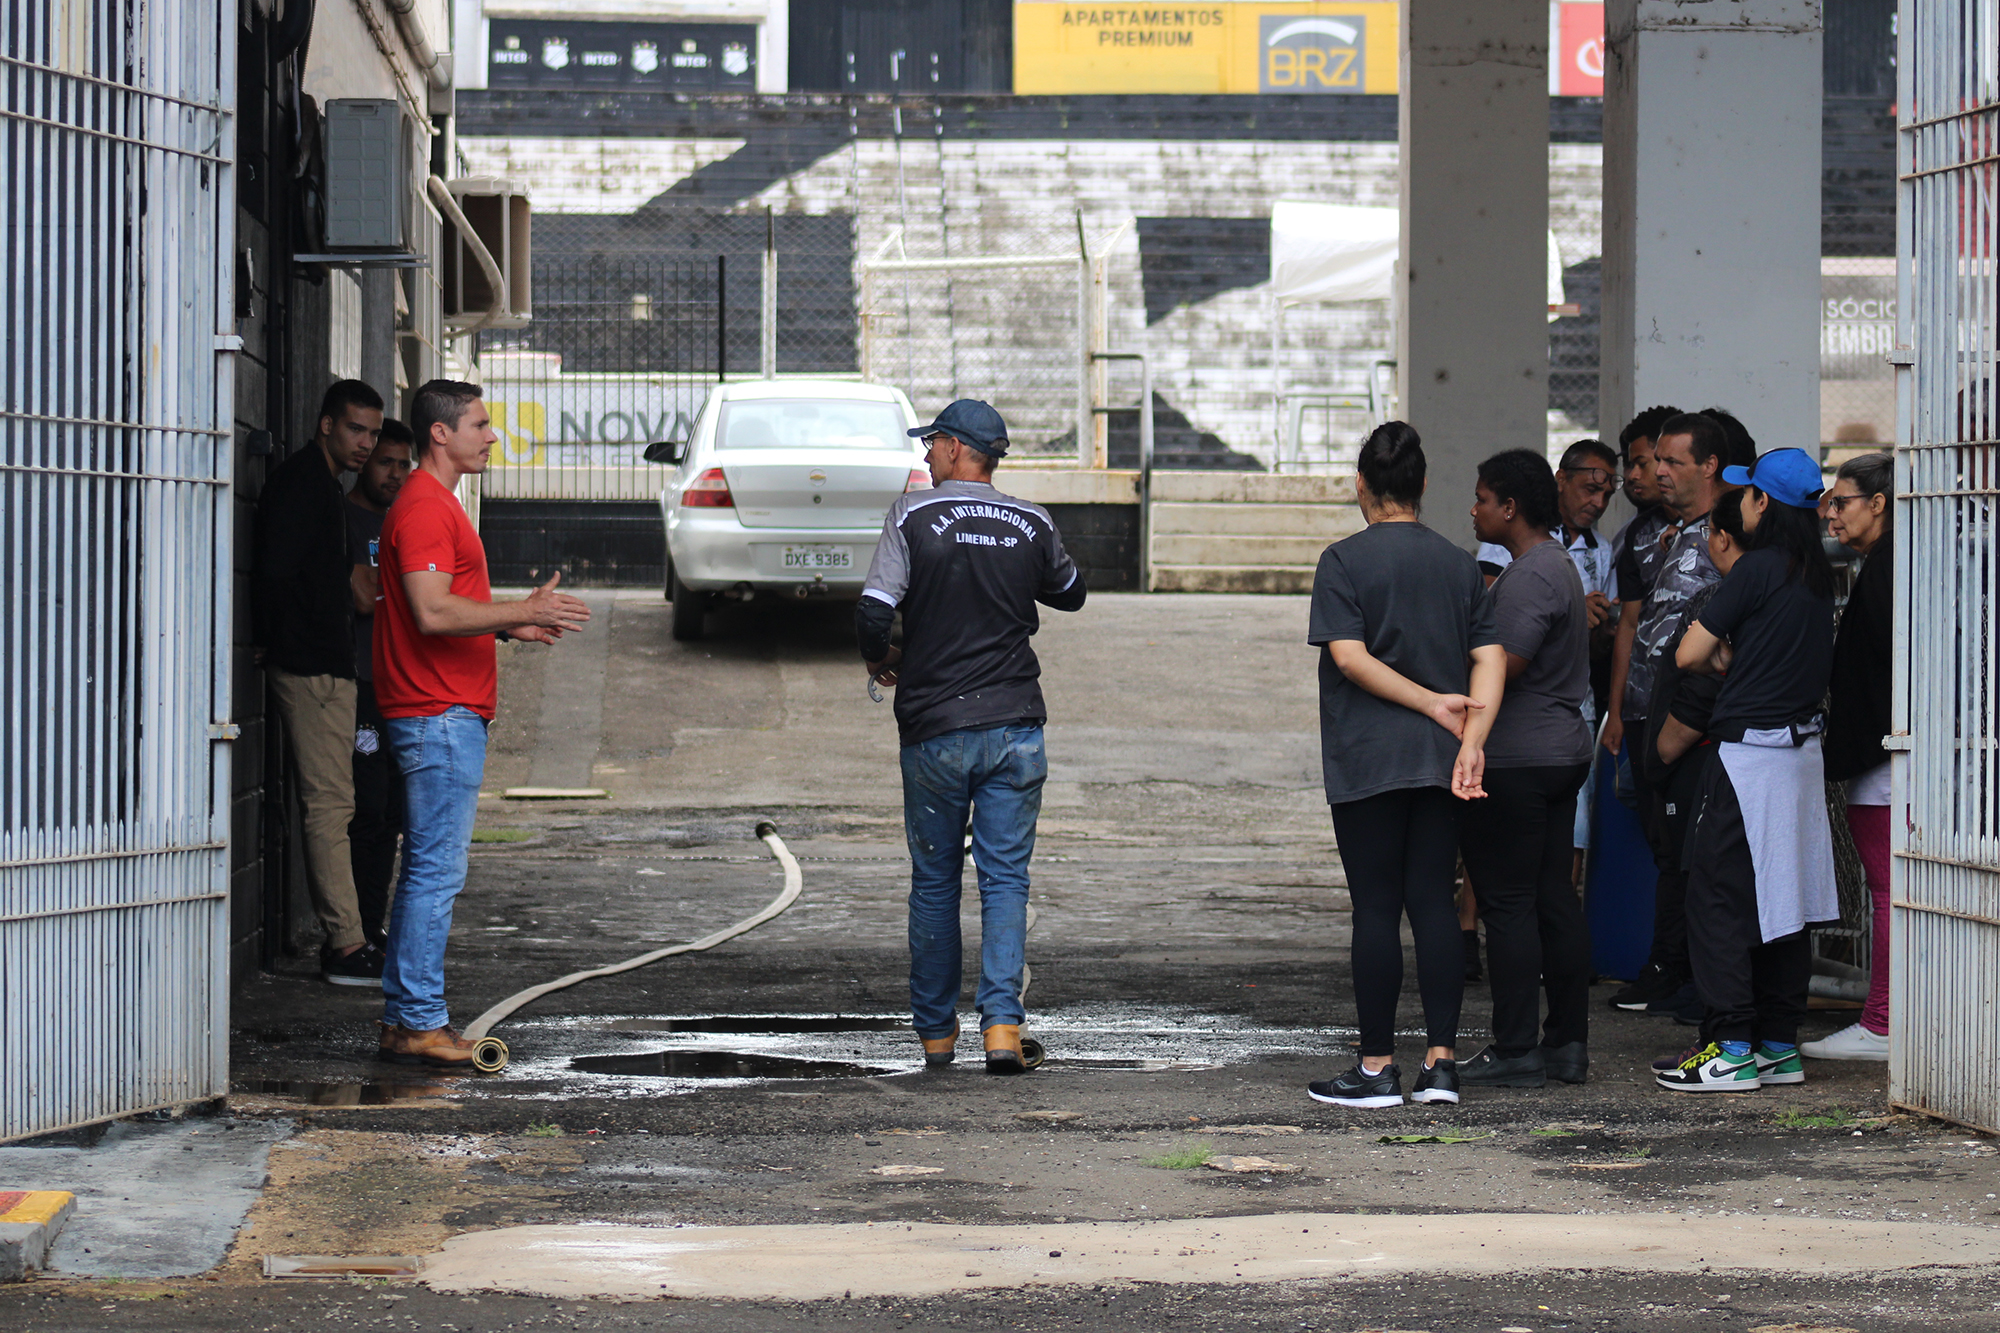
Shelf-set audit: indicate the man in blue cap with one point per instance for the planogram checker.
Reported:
(965, 565)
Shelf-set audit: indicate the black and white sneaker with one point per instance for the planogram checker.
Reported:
(1358, 1087)
(363, 967)
(1653, 984)
(1437, 1083)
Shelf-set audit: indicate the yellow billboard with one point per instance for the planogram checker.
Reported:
(1231, 46)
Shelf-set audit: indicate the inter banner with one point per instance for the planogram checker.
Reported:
(1227, 46)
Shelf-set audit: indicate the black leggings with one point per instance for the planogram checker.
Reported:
(1400, 852)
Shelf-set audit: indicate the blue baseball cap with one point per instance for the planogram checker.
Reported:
(970, 422)
(1789, 476)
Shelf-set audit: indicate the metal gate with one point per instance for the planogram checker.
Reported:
(1945, 938)
(116, 138)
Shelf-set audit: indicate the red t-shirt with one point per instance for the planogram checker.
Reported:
(418, 674)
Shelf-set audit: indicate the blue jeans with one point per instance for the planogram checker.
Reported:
(443, 759)
(997, 776)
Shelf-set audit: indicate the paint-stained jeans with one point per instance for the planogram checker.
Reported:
(443, 759)
(996, 775)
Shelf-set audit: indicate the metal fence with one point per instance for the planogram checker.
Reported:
(1945, 1004)
(115, 447)
(637, 316)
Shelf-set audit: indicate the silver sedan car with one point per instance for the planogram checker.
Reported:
(782, 488)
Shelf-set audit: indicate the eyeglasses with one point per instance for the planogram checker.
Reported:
(1838, 503)
(931, 439)
(1597, 479)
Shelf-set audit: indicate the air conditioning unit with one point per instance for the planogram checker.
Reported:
(367, 175)
(503, 222)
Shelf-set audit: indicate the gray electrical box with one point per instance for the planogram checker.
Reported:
(367, 174)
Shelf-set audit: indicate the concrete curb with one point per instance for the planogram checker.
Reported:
(29, 1223)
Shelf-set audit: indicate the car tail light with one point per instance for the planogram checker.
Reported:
(920, 480)
(708, 491)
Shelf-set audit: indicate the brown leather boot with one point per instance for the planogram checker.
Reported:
(941, 1051)
(441, 1048)
(1003, 1049)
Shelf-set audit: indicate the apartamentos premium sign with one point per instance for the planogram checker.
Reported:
(1225, 46)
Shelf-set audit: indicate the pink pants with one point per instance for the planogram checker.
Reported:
(1870, 826)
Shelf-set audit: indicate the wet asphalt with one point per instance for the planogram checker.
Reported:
(1189, 977)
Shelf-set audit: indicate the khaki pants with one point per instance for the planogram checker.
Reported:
(319, 716)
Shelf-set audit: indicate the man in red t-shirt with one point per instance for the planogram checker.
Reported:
(436, 680)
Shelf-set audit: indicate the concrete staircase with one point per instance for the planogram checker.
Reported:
(1246, 532)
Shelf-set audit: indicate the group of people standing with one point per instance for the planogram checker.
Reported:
(1459, 700)
(375, 625)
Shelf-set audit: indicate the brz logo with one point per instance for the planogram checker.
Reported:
(555, 52)
(1312, 55)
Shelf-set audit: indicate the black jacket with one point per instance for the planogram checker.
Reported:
(302, 612)
(1858, 716)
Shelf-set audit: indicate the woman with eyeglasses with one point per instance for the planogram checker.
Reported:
(1859, 512)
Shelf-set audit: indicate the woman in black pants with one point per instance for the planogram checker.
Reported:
(1408, 687)
(1517, 842)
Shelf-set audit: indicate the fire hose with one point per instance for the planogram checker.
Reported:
(489, 1053)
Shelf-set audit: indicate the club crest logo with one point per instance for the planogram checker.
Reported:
(735, 59)
(555, 52)
(645, 57)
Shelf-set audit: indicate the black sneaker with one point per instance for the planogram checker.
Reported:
(1490, 1069)
(1674, 1003)
(1568, 1063)
(1437, 1083)
(1690, 1012)
(363, 967)
(1358, 1087)
(1653, 983)
(1472, 970)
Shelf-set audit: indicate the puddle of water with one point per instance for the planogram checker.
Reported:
(347, 1094)
(763, 1024)
(719, 1064)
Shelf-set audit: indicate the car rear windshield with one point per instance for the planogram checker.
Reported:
(793, 423)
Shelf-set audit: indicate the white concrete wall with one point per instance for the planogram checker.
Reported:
(1212, 360)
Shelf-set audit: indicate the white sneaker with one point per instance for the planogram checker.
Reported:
(1853, 1042)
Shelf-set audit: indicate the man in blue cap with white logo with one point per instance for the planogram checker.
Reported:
(966, 565)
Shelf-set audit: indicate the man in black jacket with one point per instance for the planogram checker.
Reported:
(965, 565)
(303, 620)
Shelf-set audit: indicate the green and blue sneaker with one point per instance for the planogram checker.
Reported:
(1779, 1065)
(1712, 1069)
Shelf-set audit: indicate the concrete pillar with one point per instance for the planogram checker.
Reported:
(1472, 287)
(1712, 212)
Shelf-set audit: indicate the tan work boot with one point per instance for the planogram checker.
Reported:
(1003, 1049)
(941, 1051)
(441, 1048)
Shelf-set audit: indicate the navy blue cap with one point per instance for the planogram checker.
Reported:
(970, 422)
(1789, 476)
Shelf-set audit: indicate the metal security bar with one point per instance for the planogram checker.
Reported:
(1945, 936)
(116, 143)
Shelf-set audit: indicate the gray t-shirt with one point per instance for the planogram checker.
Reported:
(1539, 614)
(1419, 605)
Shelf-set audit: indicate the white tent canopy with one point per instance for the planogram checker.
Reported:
(1343, 252)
